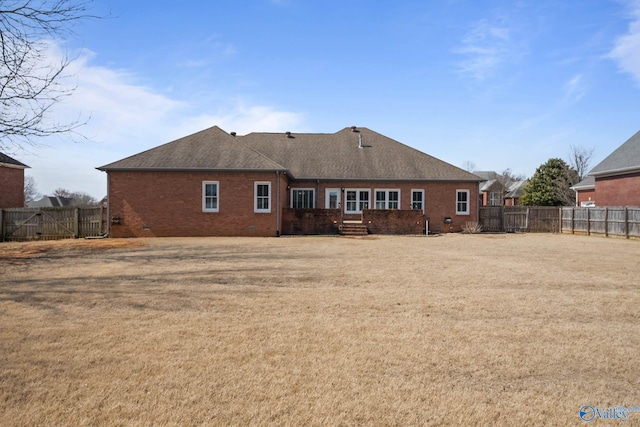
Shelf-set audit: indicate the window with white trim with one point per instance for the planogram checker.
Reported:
(302, 198)
(417, 199)
(494, 198)
(387, 199)
(262, 191)
(210, 196)
(357, 200)
(462, 202)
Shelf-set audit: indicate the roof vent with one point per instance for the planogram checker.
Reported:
(288, 134)
(354, 129)
(233, 134)
(360, 141)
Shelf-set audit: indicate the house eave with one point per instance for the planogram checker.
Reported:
(615, 172)
(12, 166)
(116, 169)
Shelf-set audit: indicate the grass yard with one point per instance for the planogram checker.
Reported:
(449, 330)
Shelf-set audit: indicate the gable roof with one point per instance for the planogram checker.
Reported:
(588, 183)
(350, 154)
(210, 149)
(11, 162)
(624, 159)
(51, 202)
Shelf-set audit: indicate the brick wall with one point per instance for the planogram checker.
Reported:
(586, 196)
(310, 221)
(170, 204)
(623, 190)
(380, 221)
(440, 199)
(11, 187)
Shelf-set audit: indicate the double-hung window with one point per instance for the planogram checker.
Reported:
(417, 199)
(387, 199)
(210, 201)
(357, 200)
(494, 198)
(262, 191)
(302, 198)
(462, 202)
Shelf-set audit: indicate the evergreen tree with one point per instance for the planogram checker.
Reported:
(550, 185)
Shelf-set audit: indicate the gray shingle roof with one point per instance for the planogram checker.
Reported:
(306, 156)
(349, 155)
(4, 159)
(588, 183)
(210, 149)
(625, 158)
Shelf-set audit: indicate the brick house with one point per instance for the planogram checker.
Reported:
(616, 180)
(11, 182)
(496, 190)
(214, 183)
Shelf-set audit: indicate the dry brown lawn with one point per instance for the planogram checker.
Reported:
(449, 330)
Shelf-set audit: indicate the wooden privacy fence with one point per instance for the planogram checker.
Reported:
(622, 221)
(535, 219)
(22, 224)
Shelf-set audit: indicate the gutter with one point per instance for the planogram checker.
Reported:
(611, 172)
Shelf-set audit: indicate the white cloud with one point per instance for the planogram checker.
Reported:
(126, 117)
(626, 51)
(574, 89)
(486, 46)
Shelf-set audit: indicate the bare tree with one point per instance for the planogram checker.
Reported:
(30, 191)
(30, 85)
(79, 198)
(469, 166)
(579, 160)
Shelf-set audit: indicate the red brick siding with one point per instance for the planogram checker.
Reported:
(170, 204)
(310, 221)
(586, 196)
(11, 187)
(440, 198)
(623, 190)
(379, 221)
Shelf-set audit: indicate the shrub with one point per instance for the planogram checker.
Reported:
(471, 227)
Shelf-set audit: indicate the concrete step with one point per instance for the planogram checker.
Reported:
(354, 230)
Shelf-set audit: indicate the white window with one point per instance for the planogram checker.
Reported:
(302, 198)
(262, 191)
(417, 199)
(462, 202)
(210, 196)
(387, 199)
(332, 198)
(357, 200)
(494, 198)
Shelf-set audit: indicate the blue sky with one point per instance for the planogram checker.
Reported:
(502, 84)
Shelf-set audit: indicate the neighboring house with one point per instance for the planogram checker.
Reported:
(213, 183)
(615, 181)
(11, 182)
(495, 192)
(52, 202)
(585, 192)
(514, 192)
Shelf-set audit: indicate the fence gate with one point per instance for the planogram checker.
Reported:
(50, 223)
(516, 219)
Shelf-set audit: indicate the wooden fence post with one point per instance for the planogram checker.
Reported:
(626, 222)
(76, 222)
(588, 222)
(606, 222)
(1, 226)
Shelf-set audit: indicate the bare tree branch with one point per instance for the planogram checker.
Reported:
(30, 85)
(579, 159)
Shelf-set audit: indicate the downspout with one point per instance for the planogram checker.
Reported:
(278, 207)
(108, 230)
